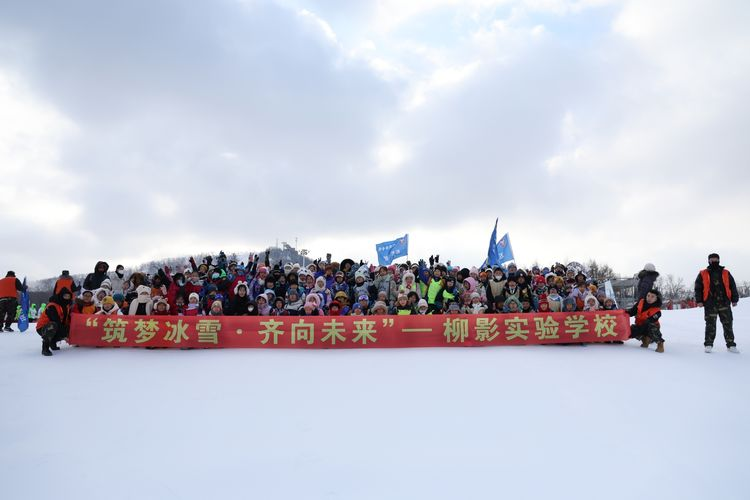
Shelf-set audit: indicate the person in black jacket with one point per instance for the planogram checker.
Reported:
(646, 280)
(54, 323)
(94, 280)
(238, 304)
(647, 312)
(716, 292)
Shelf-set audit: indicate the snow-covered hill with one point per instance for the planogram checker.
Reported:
(598, 422)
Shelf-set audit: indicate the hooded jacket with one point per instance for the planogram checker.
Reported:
(94, 280)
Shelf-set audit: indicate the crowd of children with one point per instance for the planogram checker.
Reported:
(322, 288)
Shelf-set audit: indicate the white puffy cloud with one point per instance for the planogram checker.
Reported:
(606, 129)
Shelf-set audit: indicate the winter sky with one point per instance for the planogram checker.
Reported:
(615, 130)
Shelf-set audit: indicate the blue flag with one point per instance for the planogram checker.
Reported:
(493, 259)
(504, 250)
(390, 250)
(23, 318)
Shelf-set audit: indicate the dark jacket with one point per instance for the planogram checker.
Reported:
(238, 306)
(646, 306)
(94, 280)
(717, 295)
(646, 280)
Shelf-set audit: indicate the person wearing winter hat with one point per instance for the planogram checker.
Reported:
(161, 307)
(609, 304)
(402, 306)
(357, 310)
(238, 303)
(422, 307)
(85, 303)
(555, 301)
(647, 312)
(294, 301)
(590, 303)
(449, 293)
(475, 306)
(9, 288)
(216, 309)
(646, 280)
(570, 304)
(716, 292)
(544, 305)
(54, 323)
(379, 308)
(193, 305)
(94, 280)
(99, 296)
(142, 305)
(409, 284)
(364, 302)
(512, 305)
(453, 308)
(264, 308)
(360, 284)
(109, 307)
(334, 309)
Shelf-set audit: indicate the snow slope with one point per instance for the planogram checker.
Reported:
(599, 422)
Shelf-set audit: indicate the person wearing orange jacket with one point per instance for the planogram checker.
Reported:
(716, 292)
(9, 288)
(54, 323)
(65, 281)
(647, 312)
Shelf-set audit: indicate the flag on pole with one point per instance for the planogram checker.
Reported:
(504, 249)
(388, 251)
(23, 318)
(493, 259)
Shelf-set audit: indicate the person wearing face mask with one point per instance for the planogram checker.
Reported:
(54, 323)
(118, 279)
(716, 292)
(176, 285)
(496, 288)
(94, 280)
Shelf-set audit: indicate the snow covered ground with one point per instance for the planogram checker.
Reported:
(599, 422)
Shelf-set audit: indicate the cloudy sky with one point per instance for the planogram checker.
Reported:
(615, 130)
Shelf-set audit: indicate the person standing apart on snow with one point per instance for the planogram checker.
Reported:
(9, 288)
(716, 292)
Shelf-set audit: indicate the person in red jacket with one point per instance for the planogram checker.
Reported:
(715, 291)
(9, 288)
(647, 312)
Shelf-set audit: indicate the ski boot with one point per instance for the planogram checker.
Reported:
(45, 348)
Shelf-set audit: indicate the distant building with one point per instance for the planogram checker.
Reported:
(624, 289)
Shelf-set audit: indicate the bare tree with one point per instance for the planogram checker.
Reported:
(672, 288)
(600, 272)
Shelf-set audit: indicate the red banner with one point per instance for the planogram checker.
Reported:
(342, 332)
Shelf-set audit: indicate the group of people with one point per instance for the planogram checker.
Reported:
(217, 287)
